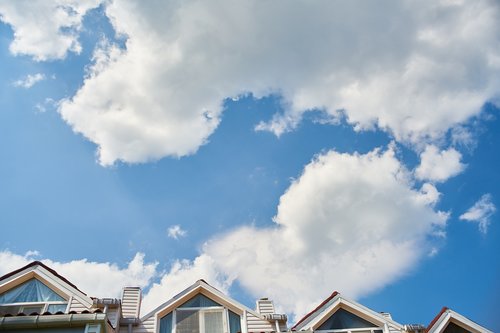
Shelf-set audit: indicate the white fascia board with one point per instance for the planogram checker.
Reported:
(336, 303)
(197, 288)
(452, 316)
(59, 286)
(63, 286)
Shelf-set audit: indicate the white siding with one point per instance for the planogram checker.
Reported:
(256, 324)
(113, 316)
(75, 305)
(131, 302)
(147, 326)
(265, 306)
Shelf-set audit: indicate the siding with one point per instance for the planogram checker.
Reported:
(77, 306)
(265, 306)
(146, 326)
(113, 316)
(131, 301)
(256, 324)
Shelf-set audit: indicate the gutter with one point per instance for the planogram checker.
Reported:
(44, 321)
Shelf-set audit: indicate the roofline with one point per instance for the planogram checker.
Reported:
(205, 285)
(39, 263)
(328, 299)
(436, 318)
(447, 315)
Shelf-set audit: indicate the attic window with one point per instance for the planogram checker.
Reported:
(345, 321)
(200, 315)
(29, 297)
(454, 328)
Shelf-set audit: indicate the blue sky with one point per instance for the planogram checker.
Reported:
(156, 144)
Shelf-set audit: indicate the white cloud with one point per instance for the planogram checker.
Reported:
(437, 165)
(29, 80)
(176, 231)
(183, 274)
(480, 213)
(413, 69)
(94, 278)
(45, 30)
(347, 217)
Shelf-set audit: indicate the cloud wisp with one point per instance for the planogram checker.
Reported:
(29, 80)
(480, 213)
(176, 231)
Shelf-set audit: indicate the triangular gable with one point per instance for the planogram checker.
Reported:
(37, 271)
(203, 288)
(449, 321)
(342, 319)
(30, 291)
(334, 303)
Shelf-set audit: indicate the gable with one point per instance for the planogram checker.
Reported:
(200, 314)
(449, 321)
(38, 283)
(336, 311)
(30, 291)
(342, 319)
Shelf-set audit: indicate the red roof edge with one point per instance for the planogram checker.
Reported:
(335, 293)
(443, 310)
(39, 263)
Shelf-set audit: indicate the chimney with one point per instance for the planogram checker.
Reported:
(131, 302)
(265, 306)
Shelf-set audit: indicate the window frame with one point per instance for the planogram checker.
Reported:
(201, 320)
(44, 306)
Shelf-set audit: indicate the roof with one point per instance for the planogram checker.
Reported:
(447, 315)
(195, 288)
(328, 299)
(443, 310)
(39, 263)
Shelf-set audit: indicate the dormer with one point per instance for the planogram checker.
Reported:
(449, 321)
(340, 315)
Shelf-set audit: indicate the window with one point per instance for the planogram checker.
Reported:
(345, 321)
(30, 297)
(454, 328)
(201, 315)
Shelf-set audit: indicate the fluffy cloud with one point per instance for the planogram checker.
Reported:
(183, 274)
(176, 231)
(347, 217)
(413, 69)
(437, 165)
(94, 278)
(480, 213)
(45, 29)
(29, 80)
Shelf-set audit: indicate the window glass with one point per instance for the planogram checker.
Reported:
(30, 291)
(234, 322)
(166, 324)
(201, 315)
(213, 321)
(344, 319)
(454, 328)
(199, 301)
(187, 321)
(53, 308)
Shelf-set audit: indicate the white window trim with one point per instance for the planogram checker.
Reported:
(45, 305)
(353, 330)
(223, 310)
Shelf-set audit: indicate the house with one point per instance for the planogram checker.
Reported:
(35, 298)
